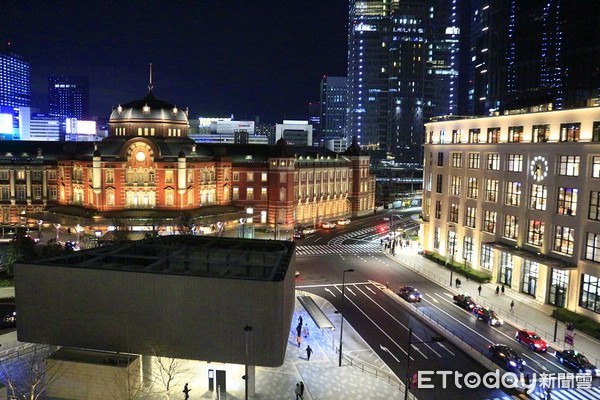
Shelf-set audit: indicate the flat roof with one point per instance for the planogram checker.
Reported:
(206, 256)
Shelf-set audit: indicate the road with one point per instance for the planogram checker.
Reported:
(384, 324)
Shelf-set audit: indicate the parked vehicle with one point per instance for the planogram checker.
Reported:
(328, 225)
(410, 294)
(578, 362)
(345, 221)
(506, 357)
(299, 234)
(487, 315)
(464, 301)
(531, 340)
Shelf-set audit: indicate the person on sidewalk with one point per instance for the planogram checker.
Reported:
(456, 282)
(479, 290)
(512, 306)
(309, 351)
(297, 391)
(299, 339)
(301, 390)
(497, 290)
(502, 289)
(305, 331)
(186, 391)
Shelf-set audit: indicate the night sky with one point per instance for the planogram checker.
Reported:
(242, 57)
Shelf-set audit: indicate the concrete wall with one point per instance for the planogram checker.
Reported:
(92, 376)
(190, 317)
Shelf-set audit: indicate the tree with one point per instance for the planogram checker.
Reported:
(22, 248)
(167, 370)
(28, 375)
(184, 224)
(121, 231)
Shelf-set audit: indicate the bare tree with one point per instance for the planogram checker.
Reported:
(168, 369)
(27, 373)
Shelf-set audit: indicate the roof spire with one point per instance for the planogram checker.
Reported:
(150, 86)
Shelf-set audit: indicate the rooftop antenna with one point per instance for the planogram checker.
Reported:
(150, 86)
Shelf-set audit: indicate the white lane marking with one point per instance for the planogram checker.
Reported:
(370, 290)
(512, 339)
(389, 352)
(399, 323)
(350, 289)
(445, 348)
(329, 290)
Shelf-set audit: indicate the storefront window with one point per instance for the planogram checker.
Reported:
(530, 277)
(590, 293)
(558, 287)
(506, 268)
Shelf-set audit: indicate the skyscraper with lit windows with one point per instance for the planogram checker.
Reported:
(333, 107)
(68, 96)
(15, 79)
(401, 69)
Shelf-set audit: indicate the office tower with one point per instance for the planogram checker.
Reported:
(333, 107)
(314, 118)
(68, 96)
(15, 79)
(400, 64)
(533, 53)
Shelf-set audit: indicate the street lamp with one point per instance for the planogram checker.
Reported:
(342, 310)
(39, 222)
(559, 292)
(452, 240)
(243, 225)
(57, 226)
(78, 230)
(434, 339)
(247, 330)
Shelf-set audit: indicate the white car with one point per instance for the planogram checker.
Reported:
(328, 225)
(308, 231)
(345, 221)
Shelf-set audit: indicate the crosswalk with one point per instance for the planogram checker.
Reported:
(557, 394)
(361, 248)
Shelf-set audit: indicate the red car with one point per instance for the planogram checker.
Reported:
(531, 340)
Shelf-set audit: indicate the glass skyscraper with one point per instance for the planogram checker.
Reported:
(68, 96)
(15, 79)
(401, 71)
(333, 107)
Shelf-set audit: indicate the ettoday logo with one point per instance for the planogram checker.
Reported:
(504, 380)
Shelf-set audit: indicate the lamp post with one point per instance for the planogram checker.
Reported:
(393, 244)
(57, 226)
(39, 223)
(247, 330)
(434, 339)
(452, 240)
(559, 292)
(342, 310)
(78, 230)
(243, 225)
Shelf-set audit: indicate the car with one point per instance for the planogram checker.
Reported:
(328, 225)
(299, 234)
(531, 340)
(506, 357)
(8, 315)
(344, 221)
(578, 362)
(464, 301)
(487, 315)
(410, 294)
(308, 230)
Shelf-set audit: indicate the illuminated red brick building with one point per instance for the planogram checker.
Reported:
(148, 169)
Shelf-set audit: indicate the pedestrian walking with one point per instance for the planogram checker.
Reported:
(298, 330)
(497, 290)
(300, 320)
(479, 290)
(301, 390)
(186, 391)
(456, 282)
(502, 289)
(459, 282)
(512, 306)
(305, 331)
(299, 340)
(297, 391)
(309, 351)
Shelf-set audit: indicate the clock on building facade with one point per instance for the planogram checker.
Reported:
(538, 168)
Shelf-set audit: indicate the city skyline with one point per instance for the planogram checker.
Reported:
(200, 59)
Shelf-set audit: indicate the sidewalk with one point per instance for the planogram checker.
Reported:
(528, 313)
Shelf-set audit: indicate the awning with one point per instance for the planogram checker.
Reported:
(531, 256)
